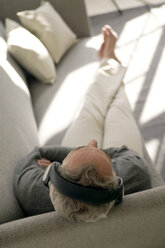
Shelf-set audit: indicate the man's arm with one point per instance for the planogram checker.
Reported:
(51, 154)
(29, 189)
(54, 153)
(30, 162)
(30, 192)
(131, 167)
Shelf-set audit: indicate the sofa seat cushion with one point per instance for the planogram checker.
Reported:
(56, 105)
(18, 132)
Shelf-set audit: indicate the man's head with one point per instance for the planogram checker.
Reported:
(89, 154)
(88, 166)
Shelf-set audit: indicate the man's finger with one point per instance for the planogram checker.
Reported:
(44, 159)
(43, 163)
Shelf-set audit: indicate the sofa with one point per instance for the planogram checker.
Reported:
(37, 114)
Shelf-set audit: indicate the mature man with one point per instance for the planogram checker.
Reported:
(90, 168)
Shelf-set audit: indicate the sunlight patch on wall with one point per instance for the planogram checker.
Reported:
(97, 7)
(158, 13)
(143, 55)
(133, 89)
(132, 30)
(156, 97)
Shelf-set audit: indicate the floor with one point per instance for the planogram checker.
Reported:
(141, 47)
(97, 7)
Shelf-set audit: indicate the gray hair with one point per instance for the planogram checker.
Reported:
(79, 211)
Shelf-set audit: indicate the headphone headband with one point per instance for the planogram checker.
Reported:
(82, 193)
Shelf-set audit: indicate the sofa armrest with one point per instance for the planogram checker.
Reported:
(72, 11)
(138, 222)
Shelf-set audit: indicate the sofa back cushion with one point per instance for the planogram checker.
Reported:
(18, 131)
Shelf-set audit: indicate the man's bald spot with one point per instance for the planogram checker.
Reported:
(90, 155)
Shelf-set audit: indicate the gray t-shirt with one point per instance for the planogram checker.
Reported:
(33, 195)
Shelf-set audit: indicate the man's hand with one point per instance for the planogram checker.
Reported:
(43, 162)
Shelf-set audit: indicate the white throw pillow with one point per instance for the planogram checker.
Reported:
(50, 28)
(29, 51)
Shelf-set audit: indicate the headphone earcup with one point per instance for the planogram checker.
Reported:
(46, 176)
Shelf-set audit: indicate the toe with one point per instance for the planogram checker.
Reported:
(100, 51)
(104, 31)
(112, 33)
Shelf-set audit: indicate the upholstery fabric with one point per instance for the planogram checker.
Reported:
(30, 52)
(50, 28)
(18, 134)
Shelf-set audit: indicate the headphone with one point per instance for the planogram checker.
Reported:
(79, 192)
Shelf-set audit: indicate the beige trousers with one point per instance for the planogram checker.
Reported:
(105, 114)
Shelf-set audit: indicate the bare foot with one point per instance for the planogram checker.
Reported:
(107, 49)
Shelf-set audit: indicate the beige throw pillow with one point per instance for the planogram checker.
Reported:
(50, 28)
(29, 51)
